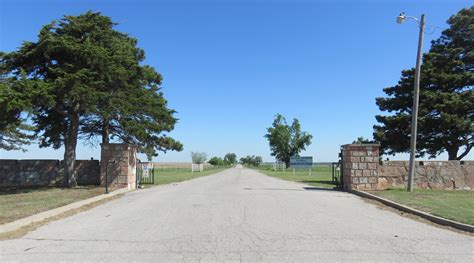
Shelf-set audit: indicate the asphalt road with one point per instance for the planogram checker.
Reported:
(238, 215)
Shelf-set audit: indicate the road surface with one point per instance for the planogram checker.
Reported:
(238, 215)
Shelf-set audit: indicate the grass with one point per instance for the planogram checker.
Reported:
(25, 229)
(457, 205)
(174, 175)
(321, 175)
(17, 203)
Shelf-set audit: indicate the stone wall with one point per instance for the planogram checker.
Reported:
(45, 172)
(363, 170)
(360, 166)
(119, 164)
(428, 174)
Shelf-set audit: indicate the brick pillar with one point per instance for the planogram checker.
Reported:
(360, 164)
(119, 161)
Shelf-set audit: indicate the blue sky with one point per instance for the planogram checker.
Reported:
(230, 66)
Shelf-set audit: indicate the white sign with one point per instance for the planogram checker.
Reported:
(145, 170)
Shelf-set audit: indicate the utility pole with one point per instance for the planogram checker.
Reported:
(414, 113)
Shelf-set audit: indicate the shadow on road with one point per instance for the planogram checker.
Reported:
(321, 189)
(317, 182)
(293, 189)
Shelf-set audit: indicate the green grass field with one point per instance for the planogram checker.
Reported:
(321, 175)
(174, 175)
(457, 205)
(16, 203)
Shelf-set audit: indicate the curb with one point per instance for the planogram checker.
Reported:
(15, 225)
(430, 217)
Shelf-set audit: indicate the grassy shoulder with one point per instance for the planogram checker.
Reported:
(174, 175)
(456, 205)
(17, 203)
(321, 175)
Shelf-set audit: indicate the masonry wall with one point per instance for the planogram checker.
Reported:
(119, 165)
(360, 166)
(45, 172)
(429, 174)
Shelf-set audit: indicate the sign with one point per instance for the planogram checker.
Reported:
(146, 169)
(303, 162)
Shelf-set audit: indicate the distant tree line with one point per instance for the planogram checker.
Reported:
(251, 160)
(229, 159)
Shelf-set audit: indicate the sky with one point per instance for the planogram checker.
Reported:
(230, 66)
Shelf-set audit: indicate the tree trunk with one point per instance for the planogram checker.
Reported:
(70, 142)
(105, 131)
(453, 153)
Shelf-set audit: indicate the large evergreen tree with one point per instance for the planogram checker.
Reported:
(15, 99)
(446, 113)
(92, 84)
(134, 111)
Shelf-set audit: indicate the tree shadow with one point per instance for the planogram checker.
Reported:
(12, 190)
(325, 182)
(22, 189)
(318, 182)
(314, 188)
(295, 189)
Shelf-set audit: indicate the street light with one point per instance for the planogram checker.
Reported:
(414, 113)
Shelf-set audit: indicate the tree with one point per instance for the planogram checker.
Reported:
(230, 159)
(136, 113)
(90, 74)
(251, 160)
(257, 161)
(446, 111)
(198, 157)
(245, 160)
(362, 140)
(216, 161)
(15, 98)
(285, 140)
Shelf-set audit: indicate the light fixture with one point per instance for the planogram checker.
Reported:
(401, 18)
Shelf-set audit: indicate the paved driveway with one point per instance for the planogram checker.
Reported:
(238, 215)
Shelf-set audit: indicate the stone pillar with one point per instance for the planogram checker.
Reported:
(119, 162)
(360, 164)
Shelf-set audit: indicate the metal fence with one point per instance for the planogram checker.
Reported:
(145, 173)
